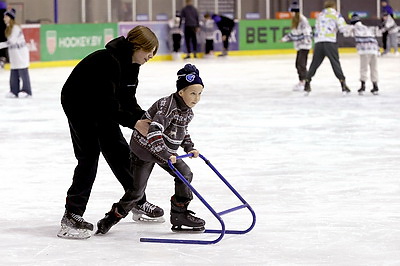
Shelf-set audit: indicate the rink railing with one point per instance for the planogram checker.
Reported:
(218, 215)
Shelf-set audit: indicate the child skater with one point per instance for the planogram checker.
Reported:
(209, 31)
(176, 34)
(301, 36)
(368, 49)
(19, 57)
(390, 27)
(169, 117)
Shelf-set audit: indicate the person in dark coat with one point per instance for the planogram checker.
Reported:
(225, 25)
(98, 97)
(190, 18)
(3, 38)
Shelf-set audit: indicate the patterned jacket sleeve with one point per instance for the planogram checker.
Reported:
(160, 120)
(187, 143)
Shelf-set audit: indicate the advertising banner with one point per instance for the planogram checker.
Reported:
(74, 41)
(32, 38)
(264, 34)
(161, 29)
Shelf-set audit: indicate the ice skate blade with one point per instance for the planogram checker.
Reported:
(139, 217)
(345, 93)
(73, 233)
(361, 93)
(375, 93)
(306, 93)
(180, 229)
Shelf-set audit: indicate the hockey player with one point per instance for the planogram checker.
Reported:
(301, 36)
(368, 49)
(170, 117)
(328, 23)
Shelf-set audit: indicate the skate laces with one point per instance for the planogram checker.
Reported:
(147, 207)
(77, 217)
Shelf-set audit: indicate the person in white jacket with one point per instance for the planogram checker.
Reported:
(18, 53)
(368, 49)
(390, 26)
(328, 23)
(301, 37)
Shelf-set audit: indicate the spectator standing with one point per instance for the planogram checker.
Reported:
(190, 18)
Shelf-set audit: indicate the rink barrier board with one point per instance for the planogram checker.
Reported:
(158, 58)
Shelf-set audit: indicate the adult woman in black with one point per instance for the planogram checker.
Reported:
(98, 96)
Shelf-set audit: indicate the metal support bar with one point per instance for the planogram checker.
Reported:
(222, 231)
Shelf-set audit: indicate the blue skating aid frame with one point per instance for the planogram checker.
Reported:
(218, 215)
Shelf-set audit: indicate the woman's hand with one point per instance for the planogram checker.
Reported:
(143, 126)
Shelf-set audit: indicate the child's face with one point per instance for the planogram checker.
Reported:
(6, 20)
(191, 94)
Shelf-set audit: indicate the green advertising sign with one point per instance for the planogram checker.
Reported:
(264, 34)
(74, 41)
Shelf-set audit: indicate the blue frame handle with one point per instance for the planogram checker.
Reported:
(218, 215)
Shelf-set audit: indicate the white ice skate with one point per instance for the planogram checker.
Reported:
(73, 226)
(73, 233)
(299, 86)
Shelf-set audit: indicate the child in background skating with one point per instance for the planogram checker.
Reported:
(390, 27)
(169, 117)
(18, 53)
(301, 36)
(176, 35)
(209, 32)
(368, 49)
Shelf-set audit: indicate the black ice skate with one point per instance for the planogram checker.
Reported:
(181, 216)
(345, 89)
(362, 88)
(73, 226)
(112, 217)
(147, 212)
(307, 88)
(375, 89)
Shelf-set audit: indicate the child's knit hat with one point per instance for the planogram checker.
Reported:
(354, 18)
(294, 7)
(10, 13)
(187, 76)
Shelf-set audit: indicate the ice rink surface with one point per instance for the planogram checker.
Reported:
(321, 172)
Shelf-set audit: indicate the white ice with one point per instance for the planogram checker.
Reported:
(321, 172)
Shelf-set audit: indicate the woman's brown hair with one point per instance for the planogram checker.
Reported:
(143, 38)
(9, 28)
(295, 20)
